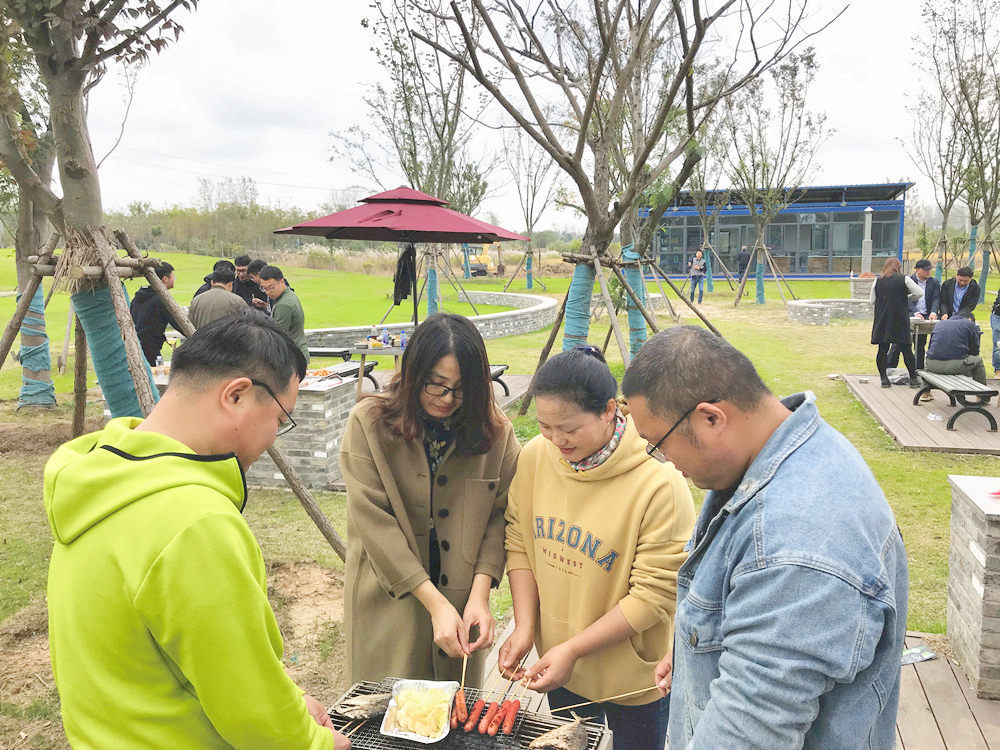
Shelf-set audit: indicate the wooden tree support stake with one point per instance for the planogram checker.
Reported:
(526, 399)
(10, 332)
(650, 320)
(602, 282)
(291, 476)
(80, 381)
(695, 310)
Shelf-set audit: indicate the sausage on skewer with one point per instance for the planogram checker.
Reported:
(477, 707)
(494, 726)
(461, 711)
(515, 705)
(494, 709)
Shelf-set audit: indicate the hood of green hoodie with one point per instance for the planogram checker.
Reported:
(96, 475)
(631, 452)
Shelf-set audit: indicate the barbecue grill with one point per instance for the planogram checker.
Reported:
(527, 727)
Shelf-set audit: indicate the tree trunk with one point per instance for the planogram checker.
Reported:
(581, 288)
(36, 358)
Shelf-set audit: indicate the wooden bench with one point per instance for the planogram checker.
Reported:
(350, 369)
(959, 388)
(330, 351)
(495, 372)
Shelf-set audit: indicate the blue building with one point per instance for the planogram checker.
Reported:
(820, 233)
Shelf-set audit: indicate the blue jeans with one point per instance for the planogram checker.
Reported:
(635, 727)
(698, 281)
(995, 325)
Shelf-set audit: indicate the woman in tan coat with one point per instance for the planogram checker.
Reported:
(427, 466)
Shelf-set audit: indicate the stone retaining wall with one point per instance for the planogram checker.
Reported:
(313, 447)
(819, 312)
(974, 581)
(534, 312)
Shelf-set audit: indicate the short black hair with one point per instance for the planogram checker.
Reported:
(579, 376)
(242, 260)
(268, 273)
(255, 266)
(965, 271)
(247, 345)
(224, 264)
(923, 263)
(967, 314)
(223, 276)
(685, 365)
(163, 270)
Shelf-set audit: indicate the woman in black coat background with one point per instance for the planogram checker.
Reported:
(891, 294)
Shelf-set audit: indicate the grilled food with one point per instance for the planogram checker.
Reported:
(570, 736)
(363, 706)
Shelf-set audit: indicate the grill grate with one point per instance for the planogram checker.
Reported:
(527, 727)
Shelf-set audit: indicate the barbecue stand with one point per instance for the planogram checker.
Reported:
(527, 727)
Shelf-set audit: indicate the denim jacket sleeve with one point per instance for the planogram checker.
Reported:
(777, 659)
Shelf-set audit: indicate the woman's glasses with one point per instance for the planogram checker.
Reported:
(438, 390)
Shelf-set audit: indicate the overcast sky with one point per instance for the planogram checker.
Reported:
(253, 89)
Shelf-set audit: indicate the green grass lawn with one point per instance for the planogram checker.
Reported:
(790, 357)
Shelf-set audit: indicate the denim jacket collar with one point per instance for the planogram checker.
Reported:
(792, 433)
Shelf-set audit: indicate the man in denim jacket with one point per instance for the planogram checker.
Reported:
(791, 608)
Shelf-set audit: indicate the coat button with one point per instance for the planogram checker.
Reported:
(442, 480)
(443, 513)
(492, 485)
(445, 546)
(392, 595)
(444, 580)
(693, 640)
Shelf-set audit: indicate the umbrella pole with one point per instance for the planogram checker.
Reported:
(413, 280)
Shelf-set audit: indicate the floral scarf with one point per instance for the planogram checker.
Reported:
(596, 459)
(438, 434)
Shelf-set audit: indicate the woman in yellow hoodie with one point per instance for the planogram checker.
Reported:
(596, 530)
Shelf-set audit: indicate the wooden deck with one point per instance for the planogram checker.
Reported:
(939, 711)
(937, 708)
(912, 430)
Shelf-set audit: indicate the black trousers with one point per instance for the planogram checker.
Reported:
(882, 358)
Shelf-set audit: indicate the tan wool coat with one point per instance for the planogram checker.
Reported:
(391, 502)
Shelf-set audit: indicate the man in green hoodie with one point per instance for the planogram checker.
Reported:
(160, 630)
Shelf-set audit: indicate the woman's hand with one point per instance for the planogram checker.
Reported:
(450, 633)
(663, 674)
(553, 670)
(512, 652)
(477, 612)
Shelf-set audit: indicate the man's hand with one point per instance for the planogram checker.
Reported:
(944, 316)
(478, 613)
(259, 303)
(663, 674)
(340, 742)
(553, 670)
(513, 650)
(932, 316)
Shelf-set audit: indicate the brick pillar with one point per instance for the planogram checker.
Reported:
(974, 581)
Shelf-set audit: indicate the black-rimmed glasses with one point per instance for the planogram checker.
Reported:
(438, 390)
(653, 449)
(285, 426)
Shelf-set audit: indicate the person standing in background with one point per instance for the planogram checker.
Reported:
(217, 302)
(286, 310)
(696, 270)
(891, 294)
(245, 287)
(960, 294)
(150, 315)
(254, 268)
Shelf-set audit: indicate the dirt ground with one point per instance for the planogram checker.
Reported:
(307, 598)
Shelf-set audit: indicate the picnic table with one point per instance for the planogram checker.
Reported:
(920, 327)
(385, 351)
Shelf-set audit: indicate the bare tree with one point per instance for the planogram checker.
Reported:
(773, 141)
(423, 118)
(31, 223)
(939, 151)
(704, 185)
(962, 50)
(72, 43)
(585, 60)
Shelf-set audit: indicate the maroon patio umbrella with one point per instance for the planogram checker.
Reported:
(403, 215)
